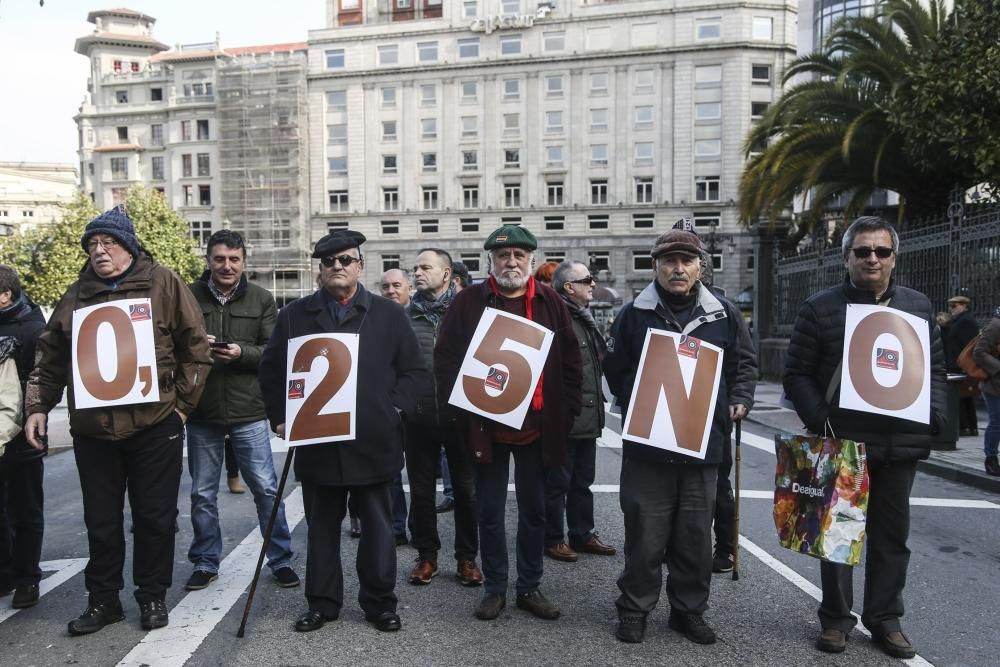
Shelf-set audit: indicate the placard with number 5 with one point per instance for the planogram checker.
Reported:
(502, 367)
(114, 355)
(322, 389)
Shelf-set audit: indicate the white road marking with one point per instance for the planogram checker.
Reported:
(808, 587)
(610, 439)
(64, 570)
(198, 612)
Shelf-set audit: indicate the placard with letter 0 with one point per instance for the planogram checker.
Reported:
(674, 395)
(502, 367)
(114, 355)
(322, 389)
(887, 363)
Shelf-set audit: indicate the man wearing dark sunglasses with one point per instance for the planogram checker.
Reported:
(811, 381)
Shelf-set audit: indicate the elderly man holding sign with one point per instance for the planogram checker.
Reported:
(129, 341)
(341, 366)
(865, 362)
(507, 357)
(673, 359)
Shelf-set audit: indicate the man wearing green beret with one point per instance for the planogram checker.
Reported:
(539, 443)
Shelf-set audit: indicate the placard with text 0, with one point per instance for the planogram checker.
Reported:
(114, 355)
(887, 363)
(322, 389)
(501, 367)
(674, 395)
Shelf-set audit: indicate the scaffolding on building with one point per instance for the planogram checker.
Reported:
(263, 157)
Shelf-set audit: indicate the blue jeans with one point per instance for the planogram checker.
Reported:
(252, 447)
(992, 434)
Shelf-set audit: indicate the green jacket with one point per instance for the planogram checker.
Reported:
(232, 392)
(590, 422)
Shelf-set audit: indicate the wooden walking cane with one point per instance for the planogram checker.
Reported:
(736, 514)
(267, 538)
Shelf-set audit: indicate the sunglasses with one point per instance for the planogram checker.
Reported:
(586, 280)
(345, 260)
(881, 252)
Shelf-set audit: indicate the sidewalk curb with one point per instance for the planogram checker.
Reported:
(981, 481)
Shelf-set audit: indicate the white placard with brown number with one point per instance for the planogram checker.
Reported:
(321, 397)
(114, 355)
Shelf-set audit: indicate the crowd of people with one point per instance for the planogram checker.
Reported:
(221, 369)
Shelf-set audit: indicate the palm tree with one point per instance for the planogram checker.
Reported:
(830, 135)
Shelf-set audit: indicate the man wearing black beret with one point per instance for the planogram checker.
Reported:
(390, 371)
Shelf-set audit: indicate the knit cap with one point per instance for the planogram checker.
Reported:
(114, 223)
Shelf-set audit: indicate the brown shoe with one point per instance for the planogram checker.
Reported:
(595, 546)
(468, 573)
(561, 551)
(423, 572)
(897, 645)
(234, 485)
(832, 641)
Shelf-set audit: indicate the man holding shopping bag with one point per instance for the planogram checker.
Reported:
(894, 445)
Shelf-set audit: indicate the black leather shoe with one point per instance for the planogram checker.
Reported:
(312, 620)
(153, 614)
(692, 626)
(832, 640)
(631, 628)
(25, 596)
(387, 621)
(95, 618)
(992, 466)
(490, 606)
(538, 604)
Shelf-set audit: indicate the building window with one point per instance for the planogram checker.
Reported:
(429, 162)
(470, 127)
(707, 219)
(554, 193)
(157, 165)
(135, 66)
(597, 222)
(510, 6)
(470, 92)
(553, 86)
(205, 195)
(390, 199)
(598, 155)
(90, 170)
(428, 128)
(428, 226)
(430, 197)
(706, 188)
(187, 192)
(338, 201)
(553, 156)
(186, 165)
(553, 122)
(708, 111)
(119, 168)
(706, 148)
(643, 220)
(427, 52)
(390, 262)
(388, 130)
(336, 100)
(510, 45)
(598, 84)
(708, 29)
(470, 160)
(644, 81)
(554, 223)
(123, 132)
(336, 134)
(185, 131)
(389, 97)
(389, 164)
(641, 260)
(599, 191)
(717, 263)
(121, 96)
(202, 130)
(389, 226)
(204, 167)
(469, 225)
(708, 75)
(337, 166)
(118, 195)
(643, 153)
(470, 196)
(512, 195)
(760, 74)
(599, 260)
(554, 41)
(155, 94)
(511, 124)
(388, 54)
(555, 256)
(428, 95)
(197, 89)
(511, 89)
(512, 158)
(334, 58)
(644, 190)
(201, 231)
(758, 109)
(470, 9)
(598, 120)
(468, 48)
(762, 28)
(117, 65)
(156, 135)
(471, 261)
(643, 118)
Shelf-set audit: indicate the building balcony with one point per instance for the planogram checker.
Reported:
(195, 99)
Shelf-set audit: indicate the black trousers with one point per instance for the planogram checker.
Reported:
(887, 528)
(423, 445)
(22, 522)
(725, 503)
(325, 508)
(568, 494)
(149, 465)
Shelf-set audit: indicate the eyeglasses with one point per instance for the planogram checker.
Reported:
(107, 244)
(345, 260)
(586, 280)
(881, 252)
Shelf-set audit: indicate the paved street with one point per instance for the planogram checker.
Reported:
(767, 617)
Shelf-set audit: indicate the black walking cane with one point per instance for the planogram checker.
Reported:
(267, 538)
(736, 514)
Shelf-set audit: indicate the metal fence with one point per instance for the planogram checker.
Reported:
(959, 255)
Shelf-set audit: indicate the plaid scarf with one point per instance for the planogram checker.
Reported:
(432, 309)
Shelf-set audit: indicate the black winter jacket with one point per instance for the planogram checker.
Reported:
(814, 354)
(430, 410)
(24, 321)
(390, 376)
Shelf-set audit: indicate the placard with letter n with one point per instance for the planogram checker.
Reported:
(501, 367)
(321, 392)
(114, 354)
(673, 398)
(887, 363)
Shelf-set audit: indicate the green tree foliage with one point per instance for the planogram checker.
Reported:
(49, 258)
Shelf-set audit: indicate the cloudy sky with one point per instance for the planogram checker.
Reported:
(43, 80)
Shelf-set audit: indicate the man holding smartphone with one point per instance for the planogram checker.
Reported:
(239, 317)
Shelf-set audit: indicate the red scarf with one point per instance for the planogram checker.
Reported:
(529, 296)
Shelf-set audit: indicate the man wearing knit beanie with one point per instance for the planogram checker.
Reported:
(116, 224)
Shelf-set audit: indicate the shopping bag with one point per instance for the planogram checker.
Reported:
(821, 496)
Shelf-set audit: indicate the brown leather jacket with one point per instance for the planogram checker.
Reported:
(183, 359)
(987, 355)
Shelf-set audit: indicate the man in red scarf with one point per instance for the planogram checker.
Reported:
(540, 442)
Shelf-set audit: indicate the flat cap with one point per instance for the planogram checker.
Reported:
(511, 236)
(960, 299)
(677, 241)
(337, 240)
